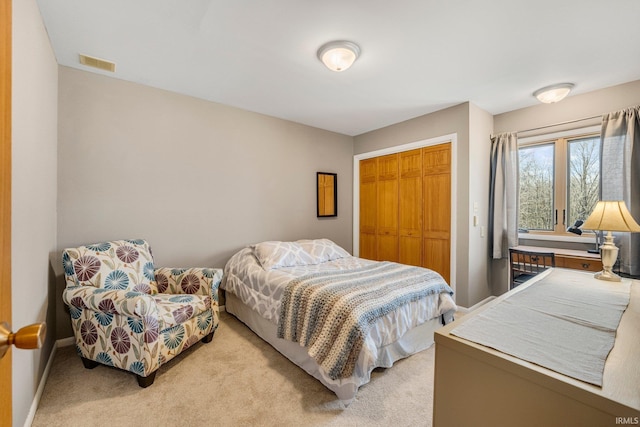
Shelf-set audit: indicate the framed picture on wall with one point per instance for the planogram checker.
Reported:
(327, 194)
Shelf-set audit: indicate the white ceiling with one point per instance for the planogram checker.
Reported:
(418, 56)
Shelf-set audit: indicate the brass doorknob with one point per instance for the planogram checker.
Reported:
(28, 337)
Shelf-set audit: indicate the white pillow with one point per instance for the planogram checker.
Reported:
(323, 250)
(274, 254)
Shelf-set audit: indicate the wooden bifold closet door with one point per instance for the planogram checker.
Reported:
(410, 208)
(368, 208)
(436, 182)
(405, 208)
(387, 209)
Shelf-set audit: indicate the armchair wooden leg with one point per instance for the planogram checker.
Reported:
(208, 338)
(88, 363)
(145, 382)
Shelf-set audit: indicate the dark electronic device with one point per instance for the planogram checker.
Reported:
(575, 228)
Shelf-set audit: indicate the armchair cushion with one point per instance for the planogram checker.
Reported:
(176, 309)
(193, 281)
(114, 265)
(127, 303)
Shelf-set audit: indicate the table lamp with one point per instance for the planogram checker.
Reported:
(610, 216)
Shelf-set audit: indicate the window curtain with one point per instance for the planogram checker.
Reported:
(620, 177)
(503, 196)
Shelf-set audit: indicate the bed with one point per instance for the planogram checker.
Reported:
(284, 291)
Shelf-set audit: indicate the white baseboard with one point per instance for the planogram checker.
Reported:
(43, 380)
(465, 310)
(461, 309)
(66, 342)
(483, 302)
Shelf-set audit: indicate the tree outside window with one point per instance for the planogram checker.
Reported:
(536, 187)
(584, 177)
(559, 183)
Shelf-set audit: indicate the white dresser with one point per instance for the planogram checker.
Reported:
(477, 386)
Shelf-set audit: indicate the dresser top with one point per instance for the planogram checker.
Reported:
(621, 377)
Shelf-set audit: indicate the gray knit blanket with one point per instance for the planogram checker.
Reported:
(330, 313)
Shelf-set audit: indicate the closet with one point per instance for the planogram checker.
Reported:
(405, 208)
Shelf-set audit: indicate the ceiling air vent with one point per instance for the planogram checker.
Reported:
(102, 64)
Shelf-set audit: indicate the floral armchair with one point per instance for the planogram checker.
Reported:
(128, 314)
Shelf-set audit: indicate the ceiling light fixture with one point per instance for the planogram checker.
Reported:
(553, 93)
(338, 55)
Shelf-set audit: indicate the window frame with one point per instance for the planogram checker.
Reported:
(560, 140)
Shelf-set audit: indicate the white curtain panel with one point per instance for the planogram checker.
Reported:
(620, 176)
(503, 197)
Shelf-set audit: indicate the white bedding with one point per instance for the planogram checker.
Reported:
(260, 291)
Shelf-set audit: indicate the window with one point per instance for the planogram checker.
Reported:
(584, 177)
(559, 181)
(536, 187)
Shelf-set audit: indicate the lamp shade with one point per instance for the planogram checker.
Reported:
(611, 216)
(555, 93)
(338, 55)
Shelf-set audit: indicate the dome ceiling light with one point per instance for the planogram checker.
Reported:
(338, 55)
(553, 93)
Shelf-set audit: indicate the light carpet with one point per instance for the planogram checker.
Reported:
(236, 380)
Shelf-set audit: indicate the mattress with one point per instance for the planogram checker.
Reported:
(254, 296)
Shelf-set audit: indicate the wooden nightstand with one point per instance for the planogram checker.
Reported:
(568, 258)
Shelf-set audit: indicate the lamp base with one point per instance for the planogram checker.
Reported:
(608, 256)
(608, 275)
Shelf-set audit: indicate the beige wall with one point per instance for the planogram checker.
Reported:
(571, 108)
(453, 120)
(199, 180)
(480, 129)
(443, 122)
(476, 276)
(34, 191)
